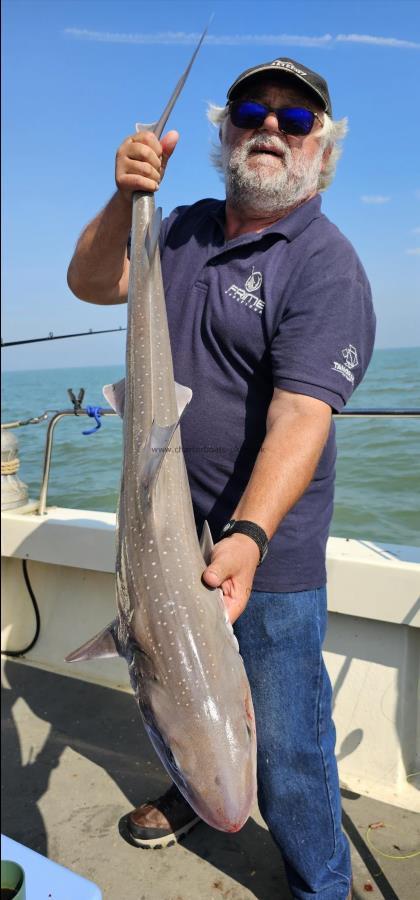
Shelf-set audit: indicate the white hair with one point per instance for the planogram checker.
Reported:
(330, 133)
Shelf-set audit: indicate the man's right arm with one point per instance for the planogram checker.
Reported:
(98, 271)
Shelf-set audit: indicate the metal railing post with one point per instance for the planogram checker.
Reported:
(42, 506)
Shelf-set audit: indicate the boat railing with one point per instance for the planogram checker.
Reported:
(55, 416)
(60, 414)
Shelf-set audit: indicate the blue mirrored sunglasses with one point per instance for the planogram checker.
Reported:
(295, 120)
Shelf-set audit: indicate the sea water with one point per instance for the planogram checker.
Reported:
(378, 466)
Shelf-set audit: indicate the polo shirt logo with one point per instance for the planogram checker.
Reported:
(350, 355)
(247, 295)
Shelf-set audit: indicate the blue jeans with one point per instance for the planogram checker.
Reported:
(280, 637)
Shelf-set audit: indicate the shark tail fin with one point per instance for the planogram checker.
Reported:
(145, 126)
(102, 646)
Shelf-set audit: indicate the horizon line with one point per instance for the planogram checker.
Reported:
(106, 365)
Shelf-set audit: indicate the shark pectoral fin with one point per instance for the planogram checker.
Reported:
(152, 233)
(99, 647)
(115, 395)
(183, 397)
(206, 543)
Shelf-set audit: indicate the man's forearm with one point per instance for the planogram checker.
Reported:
(285, 465)
(96, 271)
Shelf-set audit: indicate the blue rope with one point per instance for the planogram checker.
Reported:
(95, 413)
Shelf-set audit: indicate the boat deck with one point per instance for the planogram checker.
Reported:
(76, 759)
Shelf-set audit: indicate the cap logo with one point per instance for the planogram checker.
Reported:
(287, 65)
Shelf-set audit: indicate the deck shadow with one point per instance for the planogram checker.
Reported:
(104, 726)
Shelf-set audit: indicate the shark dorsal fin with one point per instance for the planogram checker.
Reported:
(206, 543)
(183, 397)
(157, 444)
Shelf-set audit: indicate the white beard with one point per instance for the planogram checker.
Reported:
(262, 191)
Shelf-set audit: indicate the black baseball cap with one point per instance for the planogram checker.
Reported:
(284, 66)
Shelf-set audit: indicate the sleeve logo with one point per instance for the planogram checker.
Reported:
(350, 356)
(351, 359)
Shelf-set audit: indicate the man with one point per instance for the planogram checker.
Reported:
(272, 326)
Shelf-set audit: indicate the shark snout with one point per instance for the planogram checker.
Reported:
(226, 800)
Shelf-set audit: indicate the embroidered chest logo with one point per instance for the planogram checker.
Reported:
(248, 294)
(351, 359)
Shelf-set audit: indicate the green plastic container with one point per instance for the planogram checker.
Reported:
(12, 881)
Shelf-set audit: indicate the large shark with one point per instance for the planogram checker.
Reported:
(184, 663)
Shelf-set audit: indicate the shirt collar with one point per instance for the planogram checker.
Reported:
(289, 226)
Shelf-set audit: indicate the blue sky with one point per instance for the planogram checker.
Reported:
(78, 74)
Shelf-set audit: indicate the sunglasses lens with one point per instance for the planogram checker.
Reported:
(247, 114)
(295, 120)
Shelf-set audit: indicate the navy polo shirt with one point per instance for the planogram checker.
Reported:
(289, 307)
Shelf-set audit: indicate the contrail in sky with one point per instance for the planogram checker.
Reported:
(375, 199)
(379, 41)
(182, 38)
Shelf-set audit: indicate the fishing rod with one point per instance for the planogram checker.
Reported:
(59, 337)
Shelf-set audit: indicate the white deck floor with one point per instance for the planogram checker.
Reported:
(76, 759)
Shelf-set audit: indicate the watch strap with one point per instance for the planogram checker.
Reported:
(252, 530)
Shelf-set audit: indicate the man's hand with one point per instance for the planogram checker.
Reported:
(99, 269)
(141, 162)
(232, 568)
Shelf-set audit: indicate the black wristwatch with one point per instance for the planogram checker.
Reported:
(242, 526)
